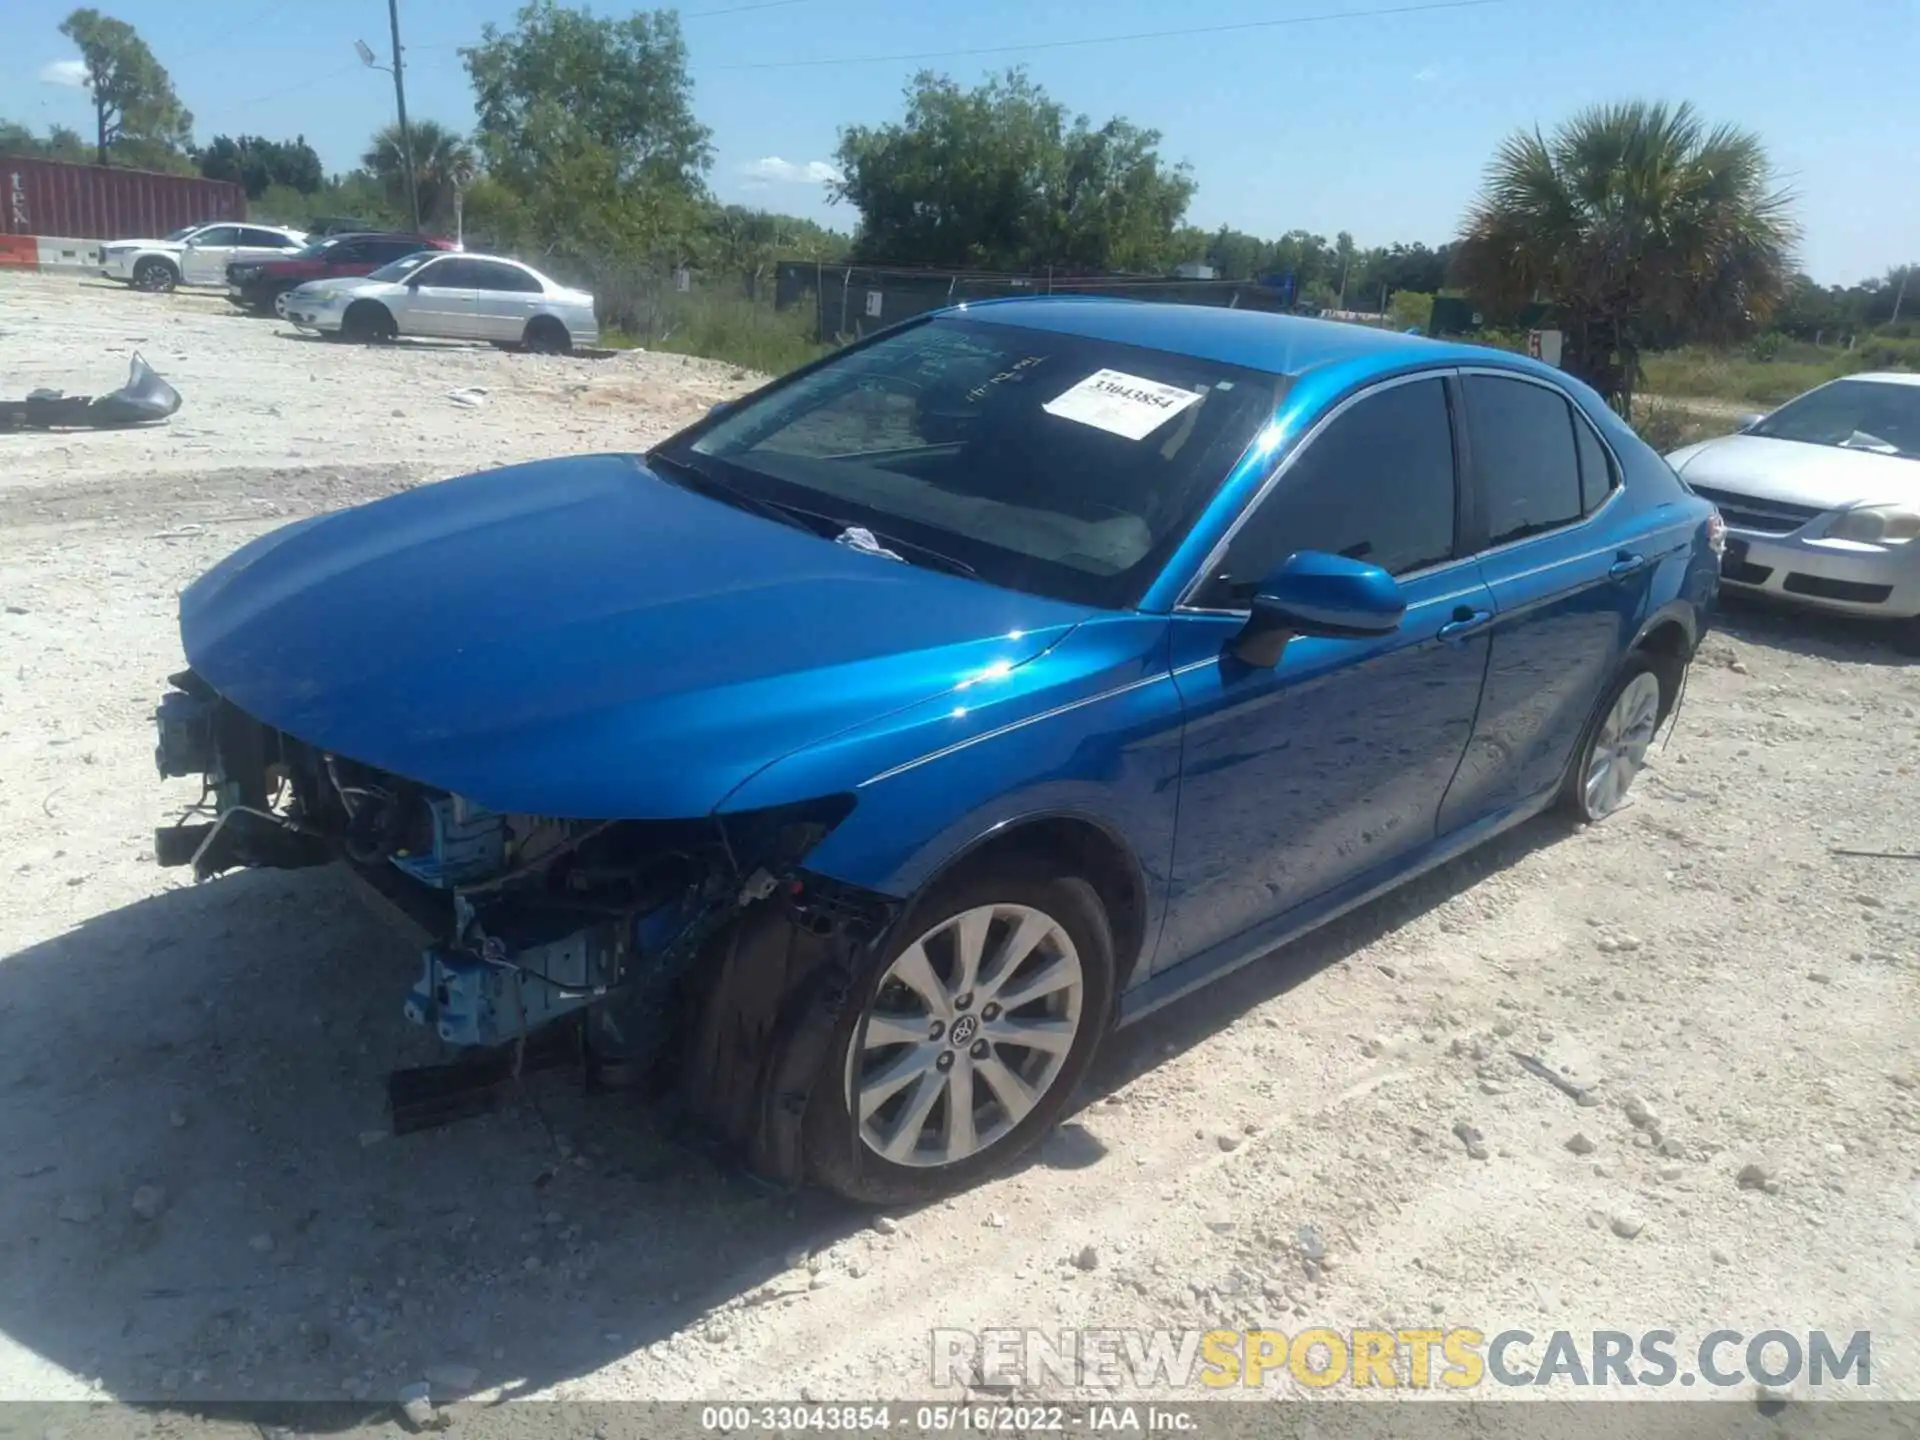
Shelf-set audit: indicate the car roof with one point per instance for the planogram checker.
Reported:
(1887, 377)
(1253, 339)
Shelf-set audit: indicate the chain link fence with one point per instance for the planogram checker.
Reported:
(850, 301)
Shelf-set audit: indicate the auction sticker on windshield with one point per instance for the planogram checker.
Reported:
(1121, 404)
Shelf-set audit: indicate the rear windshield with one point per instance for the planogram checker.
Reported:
(1050, 463)
(1878, 415)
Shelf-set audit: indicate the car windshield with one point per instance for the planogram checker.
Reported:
(314, 251)
(404, 266)
(175, 236)
(1051, 463)
(1878, 415)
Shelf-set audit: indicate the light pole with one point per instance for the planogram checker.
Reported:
(400, 103)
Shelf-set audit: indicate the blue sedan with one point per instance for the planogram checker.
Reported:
(860, 756)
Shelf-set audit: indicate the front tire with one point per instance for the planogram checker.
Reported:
(546, 336)
(970, 1040)
(368, 323)
(1613, 748)
(156, 276)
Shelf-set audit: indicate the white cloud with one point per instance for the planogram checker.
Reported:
(1427, 75)
(71, 73)
(773, 170)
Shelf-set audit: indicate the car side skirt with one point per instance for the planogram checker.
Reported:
(1230, 955)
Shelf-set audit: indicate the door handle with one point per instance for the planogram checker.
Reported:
(1464, 623)
(1626, 564)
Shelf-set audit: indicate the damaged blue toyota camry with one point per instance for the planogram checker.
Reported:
(861, 755)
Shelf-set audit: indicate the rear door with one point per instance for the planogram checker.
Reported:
(505, 298)
(345, 258)
(258, 244)
(1570, 578)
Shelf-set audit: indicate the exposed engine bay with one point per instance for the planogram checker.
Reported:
(523, 922)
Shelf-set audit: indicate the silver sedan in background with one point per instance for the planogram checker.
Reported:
(449, 296)
(1822, 500)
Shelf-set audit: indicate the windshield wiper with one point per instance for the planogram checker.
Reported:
(933, 559)
(692, 477)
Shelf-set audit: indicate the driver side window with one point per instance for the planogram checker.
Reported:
(1376, 485)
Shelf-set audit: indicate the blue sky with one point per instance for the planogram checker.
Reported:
(1379, 126)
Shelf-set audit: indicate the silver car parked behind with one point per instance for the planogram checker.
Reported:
(449, 296)
(1822, 499)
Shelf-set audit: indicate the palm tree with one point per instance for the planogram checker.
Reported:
(440, 157)
(1636, 224)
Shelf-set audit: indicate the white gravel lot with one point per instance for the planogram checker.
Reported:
(195, 1202)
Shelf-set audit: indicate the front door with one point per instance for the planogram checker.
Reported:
(1333, 762)
(204, 261)
(1571, 585)
(440, 301)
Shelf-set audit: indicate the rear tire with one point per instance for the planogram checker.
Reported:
(155, 275)
(547, 336)
(908, 1144)
(369, 323)
(1614, 744)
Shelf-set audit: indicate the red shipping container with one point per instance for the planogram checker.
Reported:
(92, 202)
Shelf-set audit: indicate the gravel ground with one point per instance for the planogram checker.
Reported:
(196, 1201)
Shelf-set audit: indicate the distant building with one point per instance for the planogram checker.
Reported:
(1195, 270)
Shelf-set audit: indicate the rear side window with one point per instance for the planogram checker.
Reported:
(1523, 453)
(1376, 485)
(489, 275)
(1597, 477)
(382, 251)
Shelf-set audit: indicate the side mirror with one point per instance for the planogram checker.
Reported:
(1747, 422)
(720, 409)
(1318, 594)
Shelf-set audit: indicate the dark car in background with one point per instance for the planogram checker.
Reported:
(259, 286)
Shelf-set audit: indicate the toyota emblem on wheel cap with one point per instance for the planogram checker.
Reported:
(962, 1031)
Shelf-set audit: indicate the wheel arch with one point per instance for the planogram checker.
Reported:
(1670, 635)
(1098, 853)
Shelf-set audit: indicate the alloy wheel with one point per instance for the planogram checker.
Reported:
(969, 1029)
(1620, 746)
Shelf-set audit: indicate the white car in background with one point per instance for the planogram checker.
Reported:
(449, 297)
(195, 255)
(1822, 500)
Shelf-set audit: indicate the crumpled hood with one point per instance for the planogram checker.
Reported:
(1797, 473)
(580, 638)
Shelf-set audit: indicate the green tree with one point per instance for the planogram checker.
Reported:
(746, 243)
(133, 100)
(59, 143)
(442, 162)
(1236, 255)
(586, 124)
(257, 164)
(999, 177)
(1637, 224)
